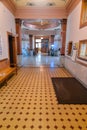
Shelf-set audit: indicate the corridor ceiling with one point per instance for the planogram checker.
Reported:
(41, 3)
(34, 7)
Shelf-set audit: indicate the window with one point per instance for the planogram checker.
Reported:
(38, 40)
(83, 49)
(83, 21)
(38, 43)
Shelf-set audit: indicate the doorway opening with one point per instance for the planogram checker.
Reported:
(41, 42)
(12, 50)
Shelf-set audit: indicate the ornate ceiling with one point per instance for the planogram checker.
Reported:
(40, 9)
(43, 9)
(41, 24)
(41, 3)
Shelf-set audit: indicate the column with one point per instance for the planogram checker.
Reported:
(51, 40)
(63, 35)
(31, 41)
(19, 40)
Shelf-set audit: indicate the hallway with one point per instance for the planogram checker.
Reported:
(56, 27)
(40, 60)
(29, 102)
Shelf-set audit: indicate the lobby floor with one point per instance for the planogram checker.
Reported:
(29, 102)
(39, 60)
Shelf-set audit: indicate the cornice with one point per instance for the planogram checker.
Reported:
(10, 5)
(71, 5)
(68, 3)
(34, 12)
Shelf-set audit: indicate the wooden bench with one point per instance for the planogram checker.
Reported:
(6, 73)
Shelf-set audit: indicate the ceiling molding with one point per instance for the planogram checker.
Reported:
(71, 5)
(43, 13)
(10, 5)
(40, 12)
(68, 3)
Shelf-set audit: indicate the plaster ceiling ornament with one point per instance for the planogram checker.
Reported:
(41, 23)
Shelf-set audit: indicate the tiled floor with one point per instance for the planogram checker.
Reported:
(29, 102)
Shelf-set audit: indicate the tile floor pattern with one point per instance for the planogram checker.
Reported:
(29, 102)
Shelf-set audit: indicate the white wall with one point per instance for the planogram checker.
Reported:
(7, 23)
(74, 33)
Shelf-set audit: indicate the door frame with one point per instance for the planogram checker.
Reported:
(14, 42)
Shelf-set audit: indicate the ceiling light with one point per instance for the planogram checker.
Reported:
(50, 4)
(30, 4)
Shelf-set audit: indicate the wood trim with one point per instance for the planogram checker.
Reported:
(18, 31)
(82, 58)
(3, 59)
(8, 33)
(68, 3)
(14, 35)
(14, 46)
(4, 63)
(71, 5)
(82, 23)
(10, 5)
(34, 12)
(69, 48)
(81, 42)
(84, 64)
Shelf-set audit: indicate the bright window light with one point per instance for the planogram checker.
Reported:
(38, 40)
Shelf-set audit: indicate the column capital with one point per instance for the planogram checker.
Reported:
(63, 21)
(18, 21)
(30, 35)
